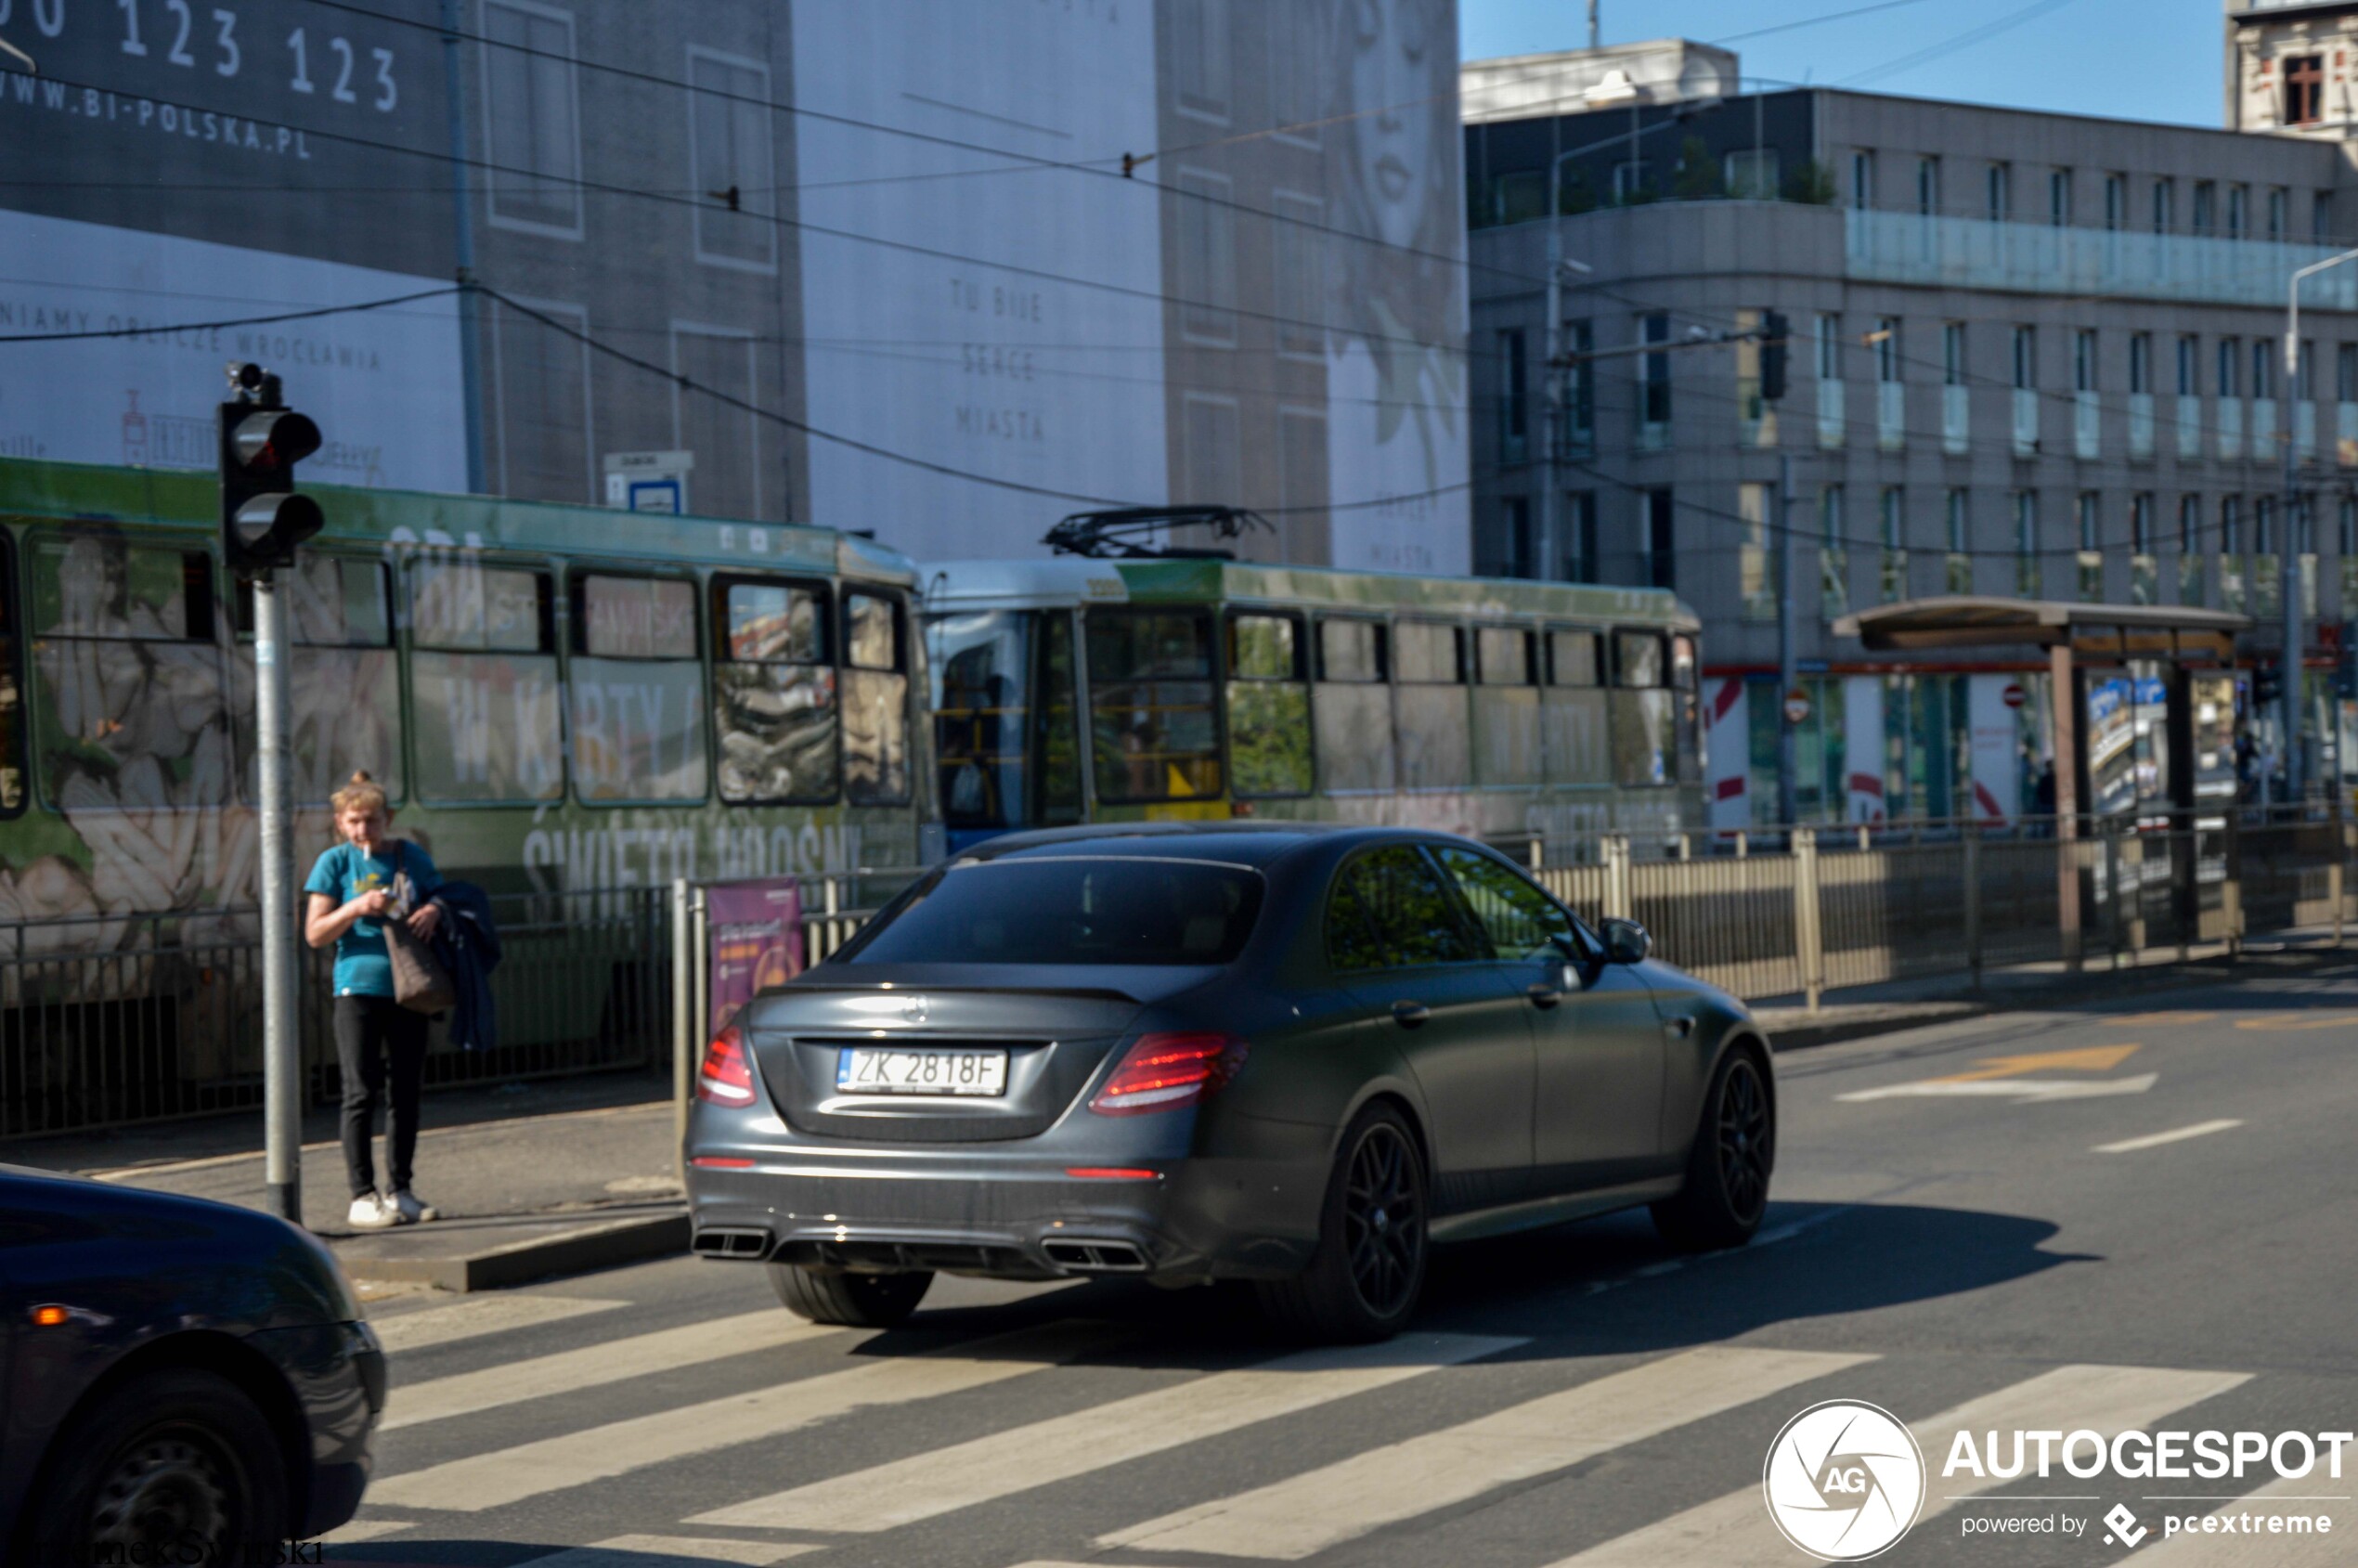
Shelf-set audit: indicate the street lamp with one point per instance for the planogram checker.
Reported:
(2290, 697)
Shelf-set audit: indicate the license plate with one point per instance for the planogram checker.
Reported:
(862, 1070)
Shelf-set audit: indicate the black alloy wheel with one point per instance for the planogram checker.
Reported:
(1368, 1270)
(175, 1466)
(1726, 1194)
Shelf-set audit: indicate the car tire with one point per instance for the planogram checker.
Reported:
(852, 1300)
(1726, 1193)
(173, 1453)
(1368, 1269)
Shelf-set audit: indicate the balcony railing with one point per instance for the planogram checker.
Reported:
(2037, 259)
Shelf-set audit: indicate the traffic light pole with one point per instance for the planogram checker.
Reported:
(282, 1032)
(1788, 670)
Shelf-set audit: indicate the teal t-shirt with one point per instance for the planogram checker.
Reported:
(363, 967)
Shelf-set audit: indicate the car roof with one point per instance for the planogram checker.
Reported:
(1238, 843)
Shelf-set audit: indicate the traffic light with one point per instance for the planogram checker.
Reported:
(2267, 685)
(262, 517)
(1774, 332)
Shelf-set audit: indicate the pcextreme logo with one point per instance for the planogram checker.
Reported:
(1843, 1481)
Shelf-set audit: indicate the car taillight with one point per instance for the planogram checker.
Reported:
(726, 1078)
(1166, 1071)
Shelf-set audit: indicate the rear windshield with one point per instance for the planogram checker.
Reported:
(1071, 911)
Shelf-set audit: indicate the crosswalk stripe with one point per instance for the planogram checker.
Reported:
(1307, 1514)
(594, 1366)
(529, 1470)
(2313, 1494)
(669, 1551)
(1734, 1531)
(358, 1530)
(1015, 1460)
(479, 1315)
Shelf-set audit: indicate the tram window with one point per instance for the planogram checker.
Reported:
(637, 690)
(484, 684)
(1637, 660)
(1152, 735)
(134, 710)
(1686, 678)
(1269, 740)
(1506, 705)
(343, 684)
(773, 690)
(1503, 656)
(1435, 731)
(980, 711)
(1572, 659)
(875, 702)
(1684, 668)
(1353, 709)
(1351, 651)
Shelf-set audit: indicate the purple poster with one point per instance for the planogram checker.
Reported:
(755, 941)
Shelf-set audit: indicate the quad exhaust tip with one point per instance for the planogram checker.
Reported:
(1078, 1256)
(723, 1242)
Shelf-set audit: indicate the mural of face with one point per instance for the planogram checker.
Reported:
(1391, 46)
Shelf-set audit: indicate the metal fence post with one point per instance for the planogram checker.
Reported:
(1614, 849)
(1808, 937)
(1973, 902)
(2335, 874)
(700, 940)
(683, 1019)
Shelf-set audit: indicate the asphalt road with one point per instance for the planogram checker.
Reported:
(1961, 1236)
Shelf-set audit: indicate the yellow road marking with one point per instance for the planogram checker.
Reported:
(2272, 1024)
(2128, 1018)
(2092, 1058)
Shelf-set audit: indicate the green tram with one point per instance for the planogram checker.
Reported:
(1079, 689)
(571, 706)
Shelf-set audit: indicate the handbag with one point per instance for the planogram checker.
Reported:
(419, 982)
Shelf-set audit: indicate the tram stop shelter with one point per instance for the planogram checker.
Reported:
(2142, 716)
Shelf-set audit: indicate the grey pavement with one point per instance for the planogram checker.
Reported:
(2133, 1209)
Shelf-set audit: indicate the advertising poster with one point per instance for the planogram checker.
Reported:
(755, 940)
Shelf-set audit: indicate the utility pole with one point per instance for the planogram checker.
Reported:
(462, 234)
(261, 522)
(1596, 28)
(1788, 663)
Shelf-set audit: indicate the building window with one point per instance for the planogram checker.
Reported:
(2346, 372)
(1199, 56)
(1580, 546)
(2165, 206)
(531, 119)
(1661, 537)
(2231, 375)
(2091, 522)
(1927, 186)
(2231, 526)
(1298, 71)
(1653, 372)
(2347, 543)
(1952, 354)
(1295, 252)
(2321, 217)
(542, 376)
(2116, 201)
(2264, 368)
(2083, 360)
(2141, 364)
(1862, 180)
(1206, 227)
(1518, 557)
(2189, 525)
(2277, 199)
(1515, 408)
(2059, 197)
(2091, 556)
(1960, 574)
(2189, 365)
(1893, 504)
(1211, 456)
(2026, 506)
(2000, 183)
(2263, 525)
(725, 437)
(1580, 388)
(2304, 90)
(2205, 207)
(2238, 212)
(2305, 371)
(1756, 581)
(2140, 526)
(2026, 358)
(1887, 341)
(729, 143)
(1830, 348)
(1834, 558)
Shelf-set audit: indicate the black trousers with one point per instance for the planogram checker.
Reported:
(381, 1046)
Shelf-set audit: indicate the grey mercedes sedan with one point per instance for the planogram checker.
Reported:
(1292, 1054)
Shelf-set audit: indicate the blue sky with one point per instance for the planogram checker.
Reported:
(2135, 59)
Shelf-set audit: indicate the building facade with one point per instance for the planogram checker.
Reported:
(2032, 354)
(942, 272)
(2289, 66)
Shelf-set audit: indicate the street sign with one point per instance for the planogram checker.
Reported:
(1797, 707)
(649, 481)
(2014, 693)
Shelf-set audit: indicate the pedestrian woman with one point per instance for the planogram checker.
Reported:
(380, 1043)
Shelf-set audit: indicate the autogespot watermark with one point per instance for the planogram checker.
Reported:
(1845, 1481)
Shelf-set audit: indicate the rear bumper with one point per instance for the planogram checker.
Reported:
(1006, 1215)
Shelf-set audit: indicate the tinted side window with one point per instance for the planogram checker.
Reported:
(1520, 918)
(1390, 910)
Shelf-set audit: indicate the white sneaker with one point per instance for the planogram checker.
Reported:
(371, 1213)
(409, 1211)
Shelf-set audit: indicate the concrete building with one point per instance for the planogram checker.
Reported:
(2034, 355)
(940, 271)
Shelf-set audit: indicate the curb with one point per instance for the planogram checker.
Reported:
(1832, 1031)
(568, 1249)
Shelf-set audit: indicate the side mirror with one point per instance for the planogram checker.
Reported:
(1626, 942)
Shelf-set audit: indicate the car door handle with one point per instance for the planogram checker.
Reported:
(1681, 1028)
(1409, 1015)
(1543, 995)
